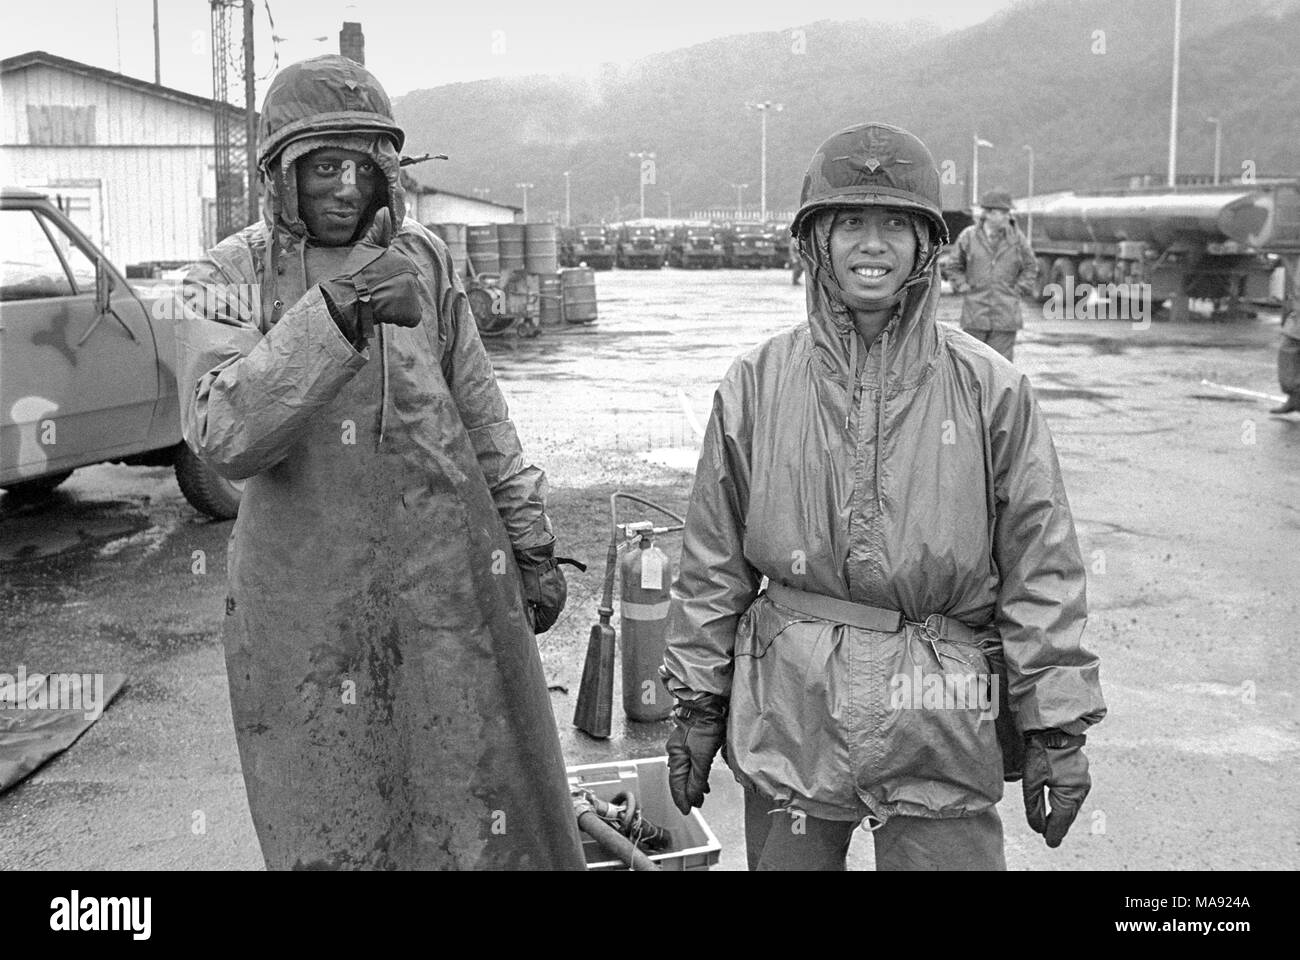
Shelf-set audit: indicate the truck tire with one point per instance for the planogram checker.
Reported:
(38, 489)
(205, 489)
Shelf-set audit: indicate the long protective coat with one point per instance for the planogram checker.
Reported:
(387, 692)
(998, 275)
(925, 482)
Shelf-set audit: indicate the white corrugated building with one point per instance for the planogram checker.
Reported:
(132, 161)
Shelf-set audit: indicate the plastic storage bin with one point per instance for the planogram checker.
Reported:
(694, 845)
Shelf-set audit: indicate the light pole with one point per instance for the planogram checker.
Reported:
(762, 109)
(1218, 144)
(669, 197)
(481, 192)
(740, 192)
(525, 187)
(976, 143)
(1029, 226)
(643, 156)
(567, 208)
(1173, 98)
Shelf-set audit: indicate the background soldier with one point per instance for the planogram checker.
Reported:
(994, 266)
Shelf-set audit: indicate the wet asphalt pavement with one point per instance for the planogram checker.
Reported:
(1187, 500)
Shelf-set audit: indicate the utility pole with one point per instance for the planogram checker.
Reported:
(250, 111)
(568, 218)
(740, 193)
(1218, 145)
(525, 187)
(975, 168)
(157, 57)
(1029, 226)
(647, 173)
(1173, 98)
(762, 109)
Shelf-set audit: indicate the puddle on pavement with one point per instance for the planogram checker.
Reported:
(62, 524)
(1071, 393)
(1222, 398)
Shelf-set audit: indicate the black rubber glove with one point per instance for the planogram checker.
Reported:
(545, 589)
(700, 732)
(1054, 761)
(380, 284)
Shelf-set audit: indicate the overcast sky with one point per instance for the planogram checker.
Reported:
(424, 44)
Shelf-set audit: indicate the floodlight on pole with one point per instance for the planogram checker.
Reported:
(976, 143)
(1173, 96)
(568, 218)
(1218, 145)
(647, 172)
(762, 109)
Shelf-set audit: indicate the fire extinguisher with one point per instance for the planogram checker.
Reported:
(646, 575)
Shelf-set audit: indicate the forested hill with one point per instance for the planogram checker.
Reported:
(1085, 82)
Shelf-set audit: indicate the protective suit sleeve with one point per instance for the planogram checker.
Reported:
(1042, 604)
(1028, 266)
(715, 584)
(519, 489)
(245, 395)
(957, 265)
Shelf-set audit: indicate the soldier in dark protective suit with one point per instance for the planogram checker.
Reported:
(392, 556)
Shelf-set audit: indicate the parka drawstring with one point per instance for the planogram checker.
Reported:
(853, 375)
(383, 390)
(880, 416)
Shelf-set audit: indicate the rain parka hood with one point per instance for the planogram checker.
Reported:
(387, 693)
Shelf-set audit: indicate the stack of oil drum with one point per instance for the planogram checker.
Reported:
(500, 250)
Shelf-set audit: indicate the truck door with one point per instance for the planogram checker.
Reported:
(76, 386)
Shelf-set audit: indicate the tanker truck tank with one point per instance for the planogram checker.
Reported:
(1160, 219)
(1211, 243)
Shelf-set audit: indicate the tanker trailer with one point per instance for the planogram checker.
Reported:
(1184, 244)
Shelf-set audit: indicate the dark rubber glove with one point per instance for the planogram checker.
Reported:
(1054, 761)
(700, 732)
(379, 284)
(545, 589)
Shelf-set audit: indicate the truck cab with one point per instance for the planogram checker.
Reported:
(640, 245)
(748, 245)
(695, 245)
(87, 370)
(587, 243)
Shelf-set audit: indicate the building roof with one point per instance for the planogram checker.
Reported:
(413, 185)
(35, 58)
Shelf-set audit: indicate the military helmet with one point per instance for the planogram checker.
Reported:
(872, 164)
(996, 200)
(323, 95)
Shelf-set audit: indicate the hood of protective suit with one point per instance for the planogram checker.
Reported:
(328, 101)
(871, 165)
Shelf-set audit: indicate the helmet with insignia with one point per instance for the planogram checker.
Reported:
(323, 95)
(872, 164)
